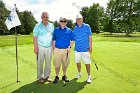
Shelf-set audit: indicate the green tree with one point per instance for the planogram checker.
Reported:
(84, 13)
(69, 23)
(111, 11)
(105, 23)
(26, 18)
(123, 11)
(3, 13)
(28, 22)
(136, 16)
(94, 16)
(56, 24)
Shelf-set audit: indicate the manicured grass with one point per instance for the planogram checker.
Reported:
(118, 64)
(119, 37)
(27, 39)
(10, 40)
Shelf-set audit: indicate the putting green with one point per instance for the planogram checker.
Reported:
(118, 64)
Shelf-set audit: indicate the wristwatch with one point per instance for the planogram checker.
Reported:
(69, 47)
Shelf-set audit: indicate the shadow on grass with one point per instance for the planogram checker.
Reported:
(72, 87)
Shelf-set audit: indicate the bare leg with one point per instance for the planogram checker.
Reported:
(64, 70)
(57, 71)
(88, 69)
(79, 67)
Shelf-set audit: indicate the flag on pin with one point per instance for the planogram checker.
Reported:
(13, 19)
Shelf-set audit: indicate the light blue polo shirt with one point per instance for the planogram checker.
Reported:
(44, 34)
(81, 36)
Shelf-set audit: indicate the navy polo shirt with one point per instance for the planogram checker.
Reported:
(81, 35)
(62, 37)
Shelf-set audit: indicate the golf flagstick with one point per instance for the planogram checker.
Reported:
(13, 21)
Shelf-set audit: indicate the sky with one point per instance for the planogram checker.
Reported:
(56, 8)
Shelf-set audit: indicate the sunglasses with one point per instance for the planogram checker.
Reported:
(63, 21)
(45, 17)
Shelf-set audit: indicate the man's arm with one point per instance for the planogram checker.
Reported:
(71, 44)
(53, 44)
(35, 44)
(90, 44)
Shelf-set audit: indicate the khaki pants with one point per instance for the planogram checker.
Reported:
(44, 53)
(60, 56)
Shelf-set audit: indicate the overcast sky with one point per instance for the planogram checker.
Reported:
(55, 8)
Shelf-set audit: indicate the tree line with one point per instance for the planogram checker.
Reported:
(26, 18)
(120, 16)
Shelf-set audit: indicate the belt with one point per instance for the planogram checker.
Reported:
(61, 48)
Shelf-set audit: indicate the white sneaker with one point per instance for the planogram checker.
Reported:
(78, 76)
(89, 79)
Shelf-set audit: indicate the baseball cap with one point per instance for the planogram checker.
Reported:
(62, 18)
(79, 16)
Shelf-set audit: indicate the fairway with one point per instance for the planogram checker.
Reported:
(118, 64)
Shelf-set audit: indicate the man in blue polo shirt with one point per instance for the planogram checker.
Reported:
(62, 42)
(83, 45)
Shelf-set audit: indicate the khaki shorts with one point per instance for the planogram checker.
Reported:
(82, 56)
(60, 56)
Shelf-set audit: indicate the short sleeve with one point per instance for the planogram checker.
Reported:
(52, 28)
(35, 31)
(89, 32)
(71, 35)
(54, 35)
(73, 32)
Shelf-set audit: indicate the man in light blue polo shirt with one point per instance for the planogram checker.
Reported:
(63, 41)
(83, 45)
(42, 38)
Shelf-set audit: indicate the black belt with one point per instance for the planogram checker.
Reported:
(62, 48)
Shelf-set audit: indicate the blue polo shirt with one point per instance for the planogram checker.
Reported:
(62, 37)
(81, 36)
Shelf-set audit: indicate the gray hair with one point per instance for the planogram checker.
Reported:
(43, 13)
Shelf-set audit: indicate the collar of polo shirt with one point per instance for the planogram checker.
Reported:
(80, 26)
(62, 28)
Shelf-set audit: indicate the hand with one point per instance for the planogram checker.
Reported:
(68, 50)
(53, 48)
(36, 49)
(90, 49)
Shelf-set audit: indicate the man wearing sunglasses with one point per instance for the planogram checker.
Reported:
(62, 42)
(83, 45)
(42, 38)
